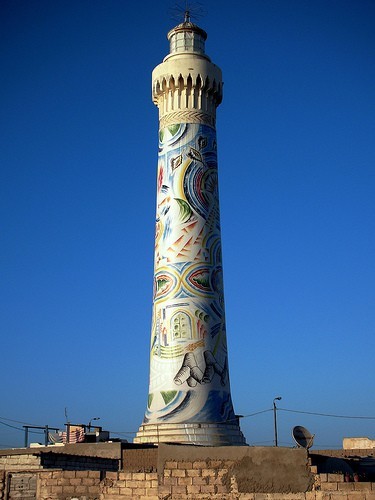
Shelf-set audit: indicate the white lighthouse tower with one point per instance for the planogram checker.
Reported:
(189, 397)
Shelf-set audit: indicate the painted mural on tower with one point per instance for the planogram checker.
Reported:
(188, 340)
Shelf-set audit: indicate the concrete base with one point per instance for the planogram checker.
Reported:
(223, 434)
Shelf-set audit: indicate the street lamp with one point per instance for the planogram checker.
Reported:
(94, 418)
(274, 417)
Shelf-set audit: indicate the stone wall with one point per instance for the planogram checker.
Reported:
(336, 486)
(195, 482)
(66, 484)
(137, 485)
(14, 462)
(176, 472)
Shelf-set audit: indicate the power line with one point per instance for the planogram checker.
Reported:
(326, 414)
(331, 415)
(16, 421)
(12, 426)
(256, 413)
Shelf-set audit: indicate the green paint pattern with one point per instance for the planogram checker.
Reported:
(168, 396)
(185, 210)
(150, 398)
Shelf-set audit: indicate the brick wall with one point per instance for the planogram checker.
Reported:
(137, 485)
(2, 484)
(19, 462)
(337, 486)
(212, 480)
(196, 478)
(177, 472)
(180, 479)
(63, 484)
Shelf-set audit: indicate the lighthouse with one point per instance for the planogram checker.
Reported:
(189, 399)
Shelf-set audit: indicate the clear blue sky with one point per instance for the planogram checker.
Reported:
(78, 157)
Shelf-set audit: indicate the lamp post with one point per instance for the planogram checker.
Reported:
(274, 417)
(89, 426)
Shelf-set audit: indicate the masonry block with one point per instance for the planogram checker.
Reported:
(356, 495)
(115, 497)
(123, 476)
(139, 491)
(334, 478)
(170, 481)
(93, 490)
(111, 475)
(178, 490)
(185, 481)
(87, 481)
(345, 486)
(194, 472)
(94, 474)
(362, 487)
(328, 486)
(193, 489)
(170, 464)
(63, 481)
(184, 465)
(114, 490)
(152, 476)
(220, 488)
(81, 489)
(208, 472)
(199, 465)
(214, 480)
(178, 473)
(200, 480)
(164, 491)
(208, 488)
(139, 476)
(75, 481)
(132, 484)
(151, 491)
(57, 489)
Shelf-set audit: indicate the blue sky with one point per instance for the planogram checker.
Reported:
(78, 157)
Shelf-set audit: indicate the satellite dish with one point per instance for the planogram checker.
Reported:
(302, 437)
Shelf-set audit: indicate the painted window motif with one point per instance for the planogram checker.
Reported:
(181, 326)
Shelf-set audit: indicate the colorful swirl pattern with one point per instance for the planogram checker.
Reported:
(188, 368)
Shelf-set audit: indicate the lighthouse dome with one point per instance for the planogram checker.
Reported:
(187, 37)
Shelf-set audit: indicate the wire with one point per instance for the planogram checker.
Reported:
(331, 415)
(325, 414)
(12, 426)
(256, 413)
(17, 421)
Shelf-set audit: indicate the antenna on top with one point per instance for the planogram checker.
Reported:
(187, 16)
(188, 11)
